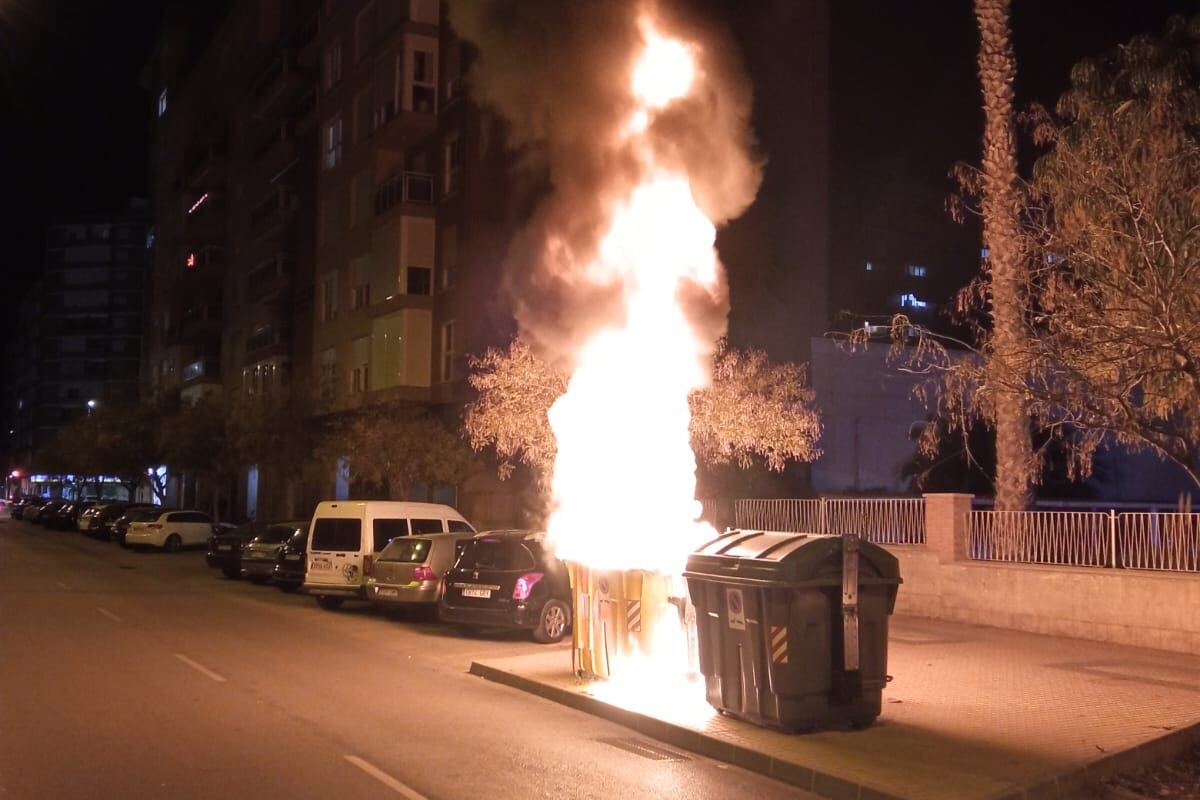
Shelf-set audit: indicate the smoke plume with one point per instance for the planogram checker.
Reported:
(558, 72)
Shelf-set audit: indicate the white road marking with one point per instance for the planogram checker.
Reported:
(62, 585)
(203, 670)
(108, 614)
(387, 780)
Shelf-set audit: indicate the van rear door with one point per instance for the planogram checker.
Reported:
(335, 552)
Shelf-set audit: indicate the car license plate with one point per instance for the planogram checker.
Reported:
(321, 563)
(481, 593)
(385, 591)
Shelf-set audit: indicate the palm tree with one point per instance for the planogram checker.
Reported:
(1001, 236)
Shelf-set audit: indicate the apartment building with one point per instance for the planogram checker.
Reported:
(77, 346)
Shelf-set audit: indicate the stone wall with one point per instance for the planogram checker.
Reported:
(1133, 607)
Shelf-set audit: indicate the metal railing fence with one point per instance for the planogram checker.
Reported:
(892, 520)
(1160, 541)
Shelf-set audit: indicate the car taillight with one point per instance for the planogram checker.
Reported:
(525, 585)
(366, 565)
(423, 573)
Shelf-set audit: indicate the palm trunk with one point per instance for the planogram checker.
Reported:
(1001, 235)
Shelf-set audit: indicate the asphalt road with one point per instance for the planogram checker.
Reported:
(146, 675)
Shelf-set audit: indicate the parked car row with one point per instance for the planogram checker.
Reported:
(406, 555)
(390, 554)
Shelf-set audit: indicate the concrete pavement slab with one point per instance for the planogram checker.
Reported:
(972, 712)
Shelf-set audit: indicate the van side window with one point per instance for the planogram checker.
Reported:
(333, 533)
(427, 526)
(458, 526)
(385, 530)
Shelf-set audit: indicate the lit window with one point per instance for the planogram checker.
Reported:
(333, 142)
(870, 267)
(162, 103)
(910, 300)
(916, 270)
(448, 351)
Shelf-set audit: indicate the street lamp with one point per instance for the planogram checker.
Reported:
(91, 406)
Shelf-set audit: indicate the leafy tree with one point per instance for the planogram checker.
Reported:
(1110, 232)
(753, 409)
(397, 446)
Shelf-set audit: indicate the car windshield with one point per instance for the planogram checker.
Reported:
(275, 534)
(499, 554)
(406, 549)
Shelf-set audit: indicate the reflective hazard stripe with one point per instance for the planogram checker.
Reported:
(633, 615)
(779, 644)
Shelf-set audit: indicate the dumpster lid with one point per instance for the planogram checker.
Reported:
(784, 558)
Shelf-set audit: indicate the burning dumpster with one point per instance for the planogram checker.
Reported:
(616, 614)
(793, 628)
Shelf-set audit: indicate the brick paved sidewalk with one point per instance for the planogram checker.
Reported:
(972, 712)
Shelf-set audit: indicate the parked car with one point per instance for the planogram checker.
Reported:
(289, 563)
(67, 515)
(98, 520)
(346, 535)
(260, 553)
(225, 546)
(508, 579)
(408, 572)
(170, 530)
(120, 526)
(40, 514)
(24, 505)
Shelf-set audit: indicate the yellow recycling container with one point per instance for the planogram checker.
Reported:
(614, 615)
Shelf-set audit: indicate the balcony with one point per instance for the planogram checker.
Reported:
(265, 340)
(268, 278)
(405, 187)
(270, 217)
(278, 83)
(205, 167)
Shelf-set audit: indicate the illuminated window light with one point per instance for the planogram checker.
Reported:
(191, 261)
(198, 203)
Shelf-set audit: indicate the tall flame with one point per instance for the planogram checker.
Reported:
(624, 481)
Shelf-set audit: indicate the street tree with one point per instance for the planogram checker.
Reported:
(752, 410)
(398, 446)
(1110, 295)
(998, 181)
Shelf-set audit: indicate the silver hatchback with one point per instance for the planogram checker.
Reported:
(258, 554)
(409, 570)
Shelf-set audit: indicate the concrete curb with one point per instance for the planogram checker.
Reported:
(1080, 782)
(702, 744)
(1090, 776)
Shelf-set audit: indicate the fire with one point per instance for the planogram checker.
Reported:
(624, 480)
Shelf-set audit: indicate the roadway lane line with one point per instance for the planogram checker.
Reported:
(387, 780)
(203, 670)
(62, 585)
(108, 614)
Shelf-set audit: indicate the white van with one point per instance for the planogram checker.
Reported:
(345, 536)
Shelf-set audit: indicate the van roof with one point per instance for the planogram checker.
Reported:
(355, 507)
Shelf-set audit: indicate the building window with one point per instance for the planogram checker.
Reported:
(362, 116)
(448, 351)
(453, 163)
(418, 280)
(424, 83)
(361, 353)
(332, 65)
(362, 33)
(327, 376)
(332, 141)
(916, 270)
(870, 267)
(162, 102)
(329, 297)
(360, 278)
(449, 255)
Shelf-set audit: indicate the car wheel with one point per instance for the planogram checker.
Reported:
(552, 625)
(467, 630)
(330, 603)
(233, 573)
(173, 543)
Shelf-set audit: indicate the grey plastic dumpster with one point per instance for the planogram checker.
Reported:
(793, 628)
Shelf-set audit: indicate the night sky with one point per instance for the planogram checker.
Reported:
(76, 123)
